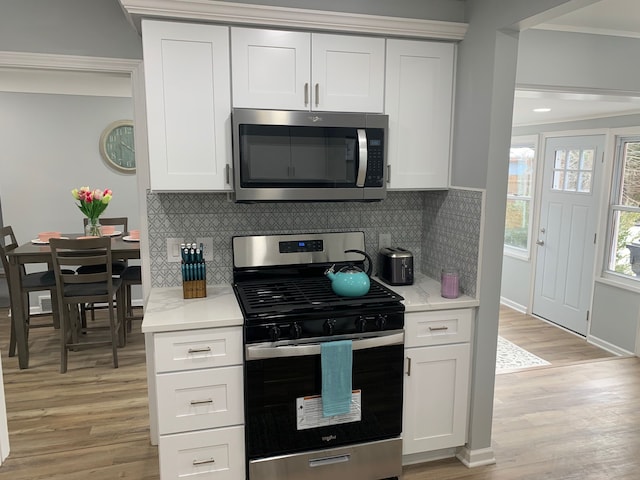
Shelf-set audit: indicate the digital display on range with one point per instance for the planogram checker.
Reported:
(297, 246)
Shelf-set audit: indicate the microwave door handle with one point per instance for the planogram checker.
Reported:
(362, 157)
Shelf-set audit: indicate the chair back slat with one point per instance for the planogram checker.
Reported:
(81, 252)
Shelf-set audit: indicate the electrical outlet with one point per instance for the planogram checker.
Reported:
(384, 240)
(173, 249)
(207, 247)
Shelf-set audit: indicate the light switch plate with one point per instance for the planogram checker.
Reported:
(173, 249)
(207, 246)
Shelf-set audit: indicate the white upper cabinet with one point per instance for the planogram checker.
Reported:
(188, 91)
(419, 100)
(283, 70)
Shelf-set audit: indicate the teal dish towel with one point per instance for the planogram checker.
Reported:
(337, 363)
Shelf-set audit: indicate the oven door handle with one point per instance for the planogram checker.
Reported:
(262, 351)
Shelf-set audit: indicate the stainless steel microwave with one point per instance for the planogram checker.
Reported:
(281, 156)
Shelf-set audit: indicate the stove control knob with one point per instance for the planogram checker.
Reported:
(361, 324)
(274, 333)
(296, 330)
(381, 322)
(328, 327)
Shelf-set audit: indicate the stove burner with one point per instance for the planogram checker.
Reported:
(262, 298)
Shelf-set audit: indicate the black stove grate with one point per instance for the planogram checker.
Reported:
(276, 297)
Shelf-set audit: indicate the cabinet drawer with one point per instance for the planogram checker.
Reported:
(192, 349)
(200, 399)
(437, 327)
(206, 455)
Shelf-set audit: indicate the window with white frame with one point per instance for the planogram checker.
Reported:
(624, 210)
(517, 229)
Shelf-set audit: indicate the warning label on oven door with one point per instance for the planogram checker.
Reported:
(309, 412)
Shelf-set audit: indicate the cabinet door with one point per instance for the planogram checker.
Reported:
(435, 398)
(347, 73)
(419, 98)
(188, 105)
(271, 69)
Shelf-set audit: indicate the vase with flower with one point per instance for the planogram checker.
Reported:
(92, 203)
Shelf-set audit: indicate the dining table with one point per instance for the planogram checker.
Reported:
(40, 252)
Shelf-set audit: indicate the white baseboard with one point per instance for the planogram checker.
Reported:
(609, 347)
(476, 458)
(422, 457)
(516, 306)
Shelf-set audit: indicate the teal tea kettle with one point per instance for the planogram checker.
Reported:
(350, 281)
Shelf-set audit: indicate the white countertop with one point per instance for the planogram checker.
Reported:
(167, 310)
(424, 295)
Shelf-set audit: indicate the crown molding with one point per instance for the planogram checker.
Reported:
(285, 17)
(67, 62)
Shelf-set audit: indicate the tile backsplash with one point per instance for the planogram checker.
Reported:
(411, 218)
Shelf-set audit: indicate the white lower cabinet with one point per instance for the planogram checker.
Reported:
(436, 386)
(199, 400)
(208, 454)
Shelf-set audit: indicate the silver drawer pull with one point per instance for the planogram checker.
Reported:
(201, 402)
(320, 462)
(199, 350)
(203, 462)
(437, 329)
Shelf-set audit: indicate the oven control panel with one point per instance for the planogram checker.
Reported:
(322, 327)
(297, 246)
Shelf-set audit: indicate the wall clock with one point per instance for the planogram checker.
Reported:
(117, 147)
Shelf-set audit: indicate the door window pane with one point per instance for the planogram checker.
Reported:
(572, 170)
(585, 182)
(574, 160)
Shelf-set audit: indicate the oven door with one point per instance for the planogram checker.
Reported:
(284, 379)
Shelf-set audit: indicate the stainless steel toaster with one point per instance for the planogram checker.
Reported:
(395, 266)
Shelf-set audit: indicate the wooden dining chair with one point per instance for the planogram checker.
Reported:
(131, 276)
(30, 282)
(122, 225)
(74, 290)
(118, 265)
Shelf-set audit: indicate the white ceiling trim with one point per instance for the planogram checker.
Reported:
(587, 30)
(284, 17)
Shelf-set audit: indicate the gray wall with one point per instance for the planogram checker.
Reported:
(615, 316)
(49, 147)
(94, 28)
(516, 283)
(578, 61)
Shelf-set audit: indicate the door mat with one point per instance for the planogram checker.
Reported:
(510, 357)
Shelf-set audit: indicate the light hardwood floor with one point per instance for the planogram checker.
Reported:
(578, 418)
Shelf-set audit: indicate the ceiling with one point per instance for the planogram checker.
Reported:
(606, 17)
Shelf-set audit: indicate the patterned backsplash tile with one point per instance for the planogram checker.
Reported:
(411, 218)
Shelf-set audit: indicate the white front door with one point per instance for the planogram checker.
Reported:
(567, 231)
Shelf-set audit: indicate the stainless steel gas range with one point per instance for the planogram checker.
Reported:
(290, 315)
